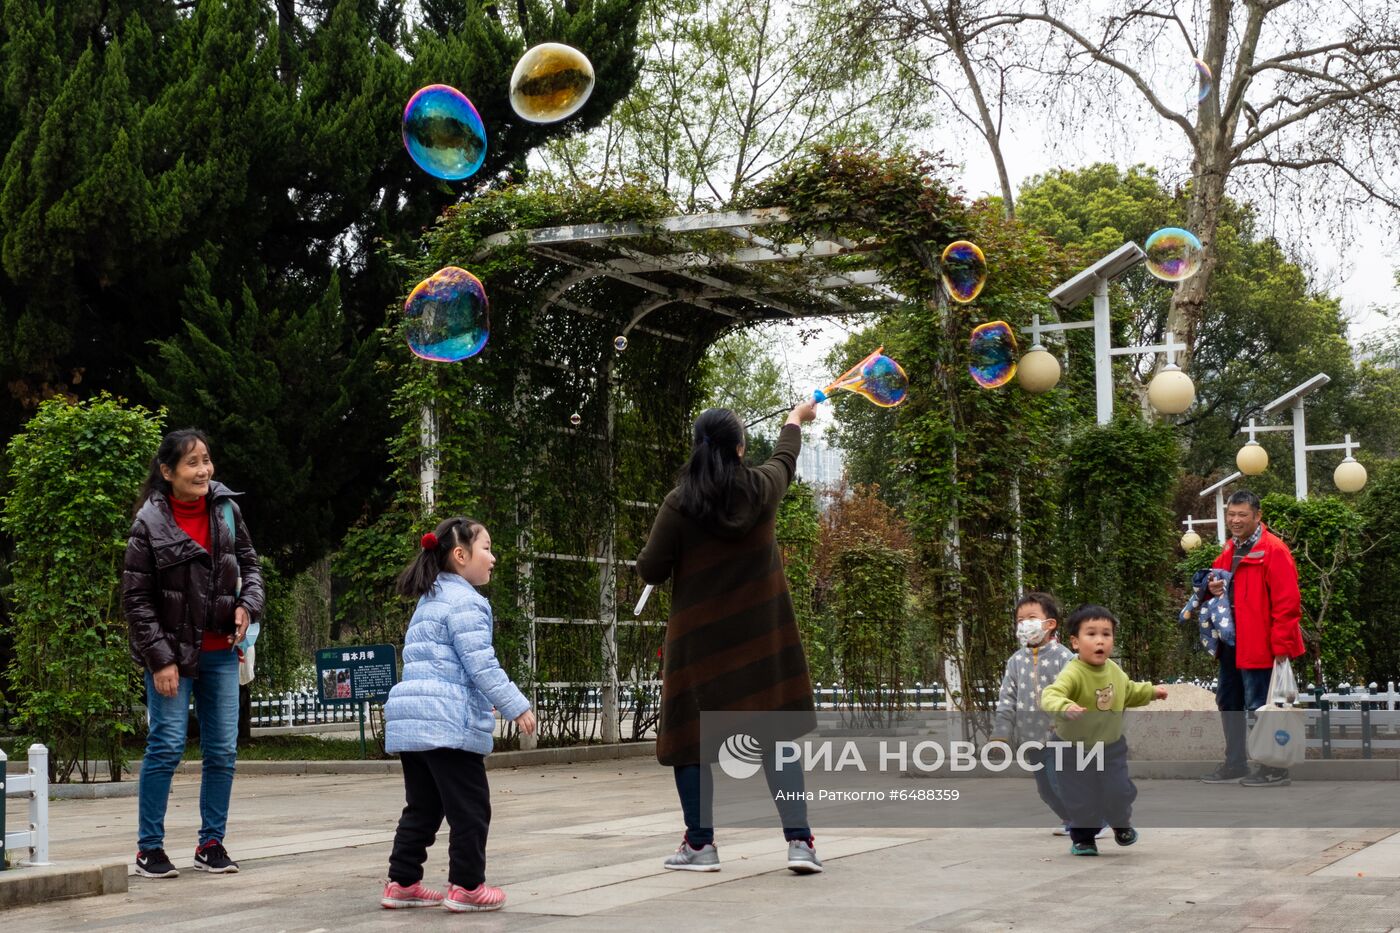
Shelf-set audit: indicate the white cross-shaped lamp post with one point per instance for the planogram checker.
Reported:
(1219, 490)
(1171, 390)
(1252, 459)
(1190, 540)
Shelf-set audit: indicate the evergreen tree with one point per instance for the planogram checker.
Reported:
(200, 205)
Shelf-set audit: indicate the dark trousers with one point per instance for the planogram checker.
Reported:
(695, 793)
(1047, 781)
(1240, 692)
(443, 782)
(1096, 798)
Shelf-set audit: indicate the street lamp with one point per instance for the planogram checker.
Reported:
(1219, 490)
(1349, 476)
(1171, 390)
(1190, 540)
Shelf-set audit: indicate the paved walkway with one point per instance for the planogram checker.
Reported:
(579, 847)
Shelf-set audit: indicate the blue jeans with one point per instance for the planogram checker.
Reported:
(699, 824)
(1241, 691)
(215, 693)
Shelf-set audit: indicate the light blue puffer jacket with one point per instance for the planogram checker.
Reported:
(451, 677)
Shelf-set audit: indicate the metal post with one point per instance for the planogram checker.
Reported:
(1220, 516)
(1325, 724)
(363, 751)
(1366, 730)
(38, 805)
(1300, 453)
(1103, 355)
(3, 862)
(611, 725)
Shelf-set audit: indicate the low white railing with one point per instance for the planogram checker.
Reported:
(34, 784)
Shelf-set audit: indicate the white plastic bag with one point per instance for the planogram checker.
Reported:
(1279, 736)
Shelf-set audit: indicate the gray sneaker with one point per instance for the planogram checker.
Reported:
(688, 859)
(802, 857)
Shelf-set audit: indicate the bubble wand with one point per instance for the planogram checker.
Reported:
(877, 377)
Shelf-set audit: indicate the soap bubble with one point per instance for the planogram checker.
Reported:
(1205, 80)
(550, 83)
(1173, 254)
(576, 419)
(993, 350)
(877, 377)
(443, 133)
(964, 270)
(883, 382)
(619, 343)
(446, 315)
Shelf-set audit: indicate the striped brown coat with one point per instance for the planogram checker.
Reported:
(731, 639)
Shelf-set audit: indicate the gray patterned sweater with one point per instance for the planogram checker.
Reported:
(1028, 671)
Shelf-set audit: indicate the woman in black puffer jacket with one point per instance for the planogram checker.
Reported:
(191, 587)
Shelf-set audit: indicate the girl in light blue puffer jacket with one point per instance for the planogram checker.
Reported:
(439, 719)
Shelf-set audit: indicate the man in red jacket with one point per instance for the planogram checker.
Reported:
(1267, 611)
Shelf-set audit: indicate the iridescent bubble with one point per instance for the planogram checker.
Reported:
(883, 382)
(443, 133)
(619, 343)
(446, 315)
(877, 377)
(992, 348)
(576, 419)
(550, 83)
(1173, 254)
(1205, 80)
(964, 270)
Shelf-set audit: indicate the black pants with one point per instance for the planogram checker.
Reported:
(1096, 798)
(443, 782)
(696, 790)
(1238, 693)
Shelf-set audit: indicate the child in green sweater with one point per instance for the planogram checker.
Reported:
(1087, 701)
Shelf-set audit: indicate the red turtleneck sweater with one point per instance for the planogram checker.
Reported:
(193, 519)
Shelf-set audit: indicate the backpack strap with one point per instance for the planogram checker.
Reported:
(226, 507)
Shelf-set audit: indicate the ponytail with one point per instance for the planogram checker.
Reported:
(420, 576)
(705, 480)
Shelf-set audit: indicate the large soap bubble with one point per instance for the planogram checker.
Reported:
(550, 83)
(1204, 80)
(446, 316)
(993, 354)
(443, 133)
(964, 270)
(877, 377)
(1173, 254)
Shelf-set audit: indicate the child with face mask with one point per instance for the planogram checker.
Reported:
(1035, 666)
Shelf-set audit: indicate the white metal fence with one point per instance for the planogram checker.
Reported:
(33, 784)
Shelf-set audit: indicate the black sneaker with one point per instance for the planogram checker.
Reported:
(1125, 837)
(152, 863)
(213, 857)
(1268, 777)
(1225, 775)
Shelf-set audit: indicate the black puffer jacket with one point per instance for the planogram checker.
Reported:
(174, 590)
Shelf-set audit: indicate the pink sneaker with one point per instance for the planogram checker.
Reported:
(481, 897)
(417, 895)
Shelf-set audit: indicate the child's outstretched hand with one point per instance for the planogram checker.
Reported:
(526, 722)
(1074, 711)
(1160, 692)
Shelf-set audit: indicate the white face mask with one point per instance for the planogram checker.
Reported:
(1030, 632)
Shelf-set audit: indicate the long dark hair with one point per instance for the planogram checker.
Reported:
(420, 576)
(171, 451)
(705, 480)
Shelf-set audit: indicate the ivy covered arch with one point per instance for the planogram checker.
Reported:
(568, 269)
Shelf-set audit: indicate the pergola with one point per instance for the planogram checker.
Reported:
(663, 273)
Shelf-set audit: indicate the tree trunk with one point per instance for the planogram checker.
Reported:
(1203, 216)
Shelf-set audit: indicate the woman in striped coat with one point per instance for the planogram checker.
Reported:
(731, 640)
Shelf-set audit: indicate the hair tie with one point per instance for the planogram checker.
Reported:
(429, 541)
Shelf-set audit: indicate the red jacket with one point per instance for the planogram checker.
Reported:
(1265, 600)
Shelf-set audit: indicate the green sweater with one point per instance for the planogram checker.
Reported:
(1103, 691)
